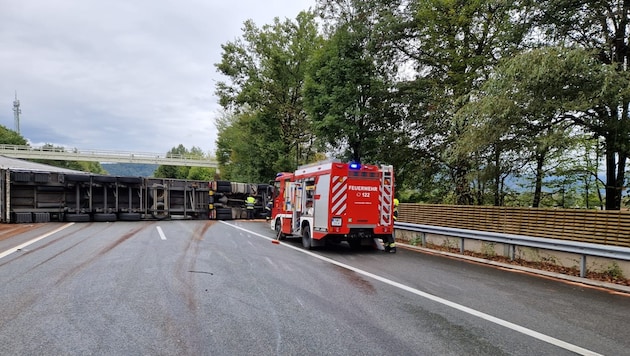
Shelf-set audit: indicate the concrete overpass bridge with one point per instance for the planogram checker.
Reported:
(103, 156)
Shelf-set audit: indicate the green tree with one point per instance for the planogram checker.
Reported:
(450, 47)
(184, 172)
(344, 92)
(237, 144)
(265, 69)
(601, 27)
(10, 137)
(534, 99)
(347, 87)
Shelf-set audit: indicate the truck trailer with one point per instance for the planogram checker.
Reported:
(34, 193)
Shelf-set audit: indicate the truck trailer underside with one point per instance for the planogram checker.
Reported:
(41, 196)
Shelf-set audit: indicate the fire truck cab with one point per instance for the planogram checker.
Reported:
(331, 202)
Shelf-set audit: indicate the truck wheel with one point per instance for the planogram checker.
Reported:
(77, 177)
(130, 180)
(129, 216)
(77, 217)
(160, 212)
(104, 217)
(224, 186)
(306, 238)
(224, 214)
(104, 179)
(278, 228)
(157, 192)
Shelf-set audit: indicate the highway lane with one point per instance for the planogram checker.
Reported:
(221, 288)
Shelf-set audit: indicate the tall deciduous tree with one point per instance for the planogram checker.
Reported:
(537, 96)
(265, 69)
(451, 45)
(343, 93)
(602, 26)
(236, 141)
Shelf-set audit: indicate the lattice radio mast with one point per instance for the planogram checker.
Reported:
(16, 113)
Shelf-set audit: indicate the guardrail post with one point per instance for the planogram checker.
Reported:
(423, 237)
(583, 266)
(461, 245)
(510, 251)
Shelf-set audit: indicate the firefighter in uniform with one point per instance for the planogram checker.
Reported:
(249, 205)
(390, 245)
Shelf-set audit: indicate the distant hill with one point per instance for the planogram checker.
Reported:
(130, 169)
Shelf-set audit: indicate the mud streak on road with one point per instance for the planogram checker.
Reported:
(101, 253)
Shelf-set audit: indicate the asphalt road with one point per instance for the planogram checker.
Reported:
(222, 288)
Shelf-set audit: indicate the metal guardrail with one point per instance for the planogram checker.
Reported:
(583, 249)
(52, 153)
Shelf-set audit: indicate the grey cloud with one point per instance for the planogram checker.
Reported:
(120, 75)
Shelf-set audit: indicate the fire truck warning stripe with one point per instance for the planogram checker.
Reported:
(339, 211)
(339, 196)
(339, 206)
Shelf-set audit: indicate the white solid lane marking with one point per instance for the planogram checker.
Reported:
(11, 250)
(521, 329)
(159, 230)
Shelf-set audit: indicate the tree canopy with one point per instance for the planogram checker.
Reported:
(185, 172)
(469, 100)
(262, 98)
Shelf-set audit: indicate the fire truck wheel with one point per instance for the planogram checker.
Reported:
(306, 238)
(278, 228)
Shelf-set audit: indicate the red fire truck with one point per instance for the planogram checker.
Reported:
(334, 202)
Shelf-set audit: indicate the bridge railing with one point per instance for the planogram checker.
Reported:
(583, 249)
(57, 153)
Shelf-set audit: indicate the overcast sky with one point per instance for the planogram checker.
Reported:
(121, 75)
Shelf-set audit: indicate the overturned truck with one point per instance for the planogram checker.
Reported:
(29, 196)
(227, 199)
